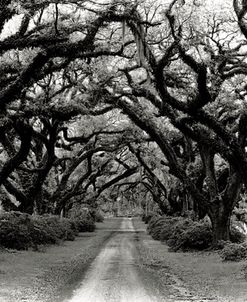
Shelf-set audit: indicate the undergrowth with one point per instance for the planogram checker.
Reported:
(184, 234)
(22, 231)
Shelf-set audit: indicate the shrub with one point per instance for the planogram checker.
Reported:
(147, 217)
(61, 227)
(68, 232)
(221, 244)
(73, 226)
(236, 236)
(163, 227)
(84, 220)
(241, 214)
(42, 233)
(98, 217)
(197, 236)
(15, 231)
(234, 252)
(155, 226)
(153, 221)
(85, 224)
(185, 234)
(168, 228)
(179, 226)
(21, 231)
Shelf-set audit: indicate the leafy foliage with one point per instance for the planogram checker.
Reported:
(22, 231)
(195, 236)
(178, 77)
(236, 236)
(147, 217)
(185, 234)
(98, 217)
(15, 230)
(83, 220)
(234, 252)
(85, 224)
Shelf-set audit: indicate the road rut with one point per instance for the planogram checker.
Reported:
(113, 275)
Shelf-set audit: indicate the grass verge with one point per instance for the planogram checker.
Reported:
(45, 275)
(193, 276)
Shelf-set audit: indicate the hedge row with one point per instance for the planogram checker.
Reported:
(147, 217)
(185, 234)
(98, 217)
(22, 231)
(234, 252)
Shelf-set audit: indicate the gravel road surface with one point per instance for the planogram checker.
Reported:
(113, 275)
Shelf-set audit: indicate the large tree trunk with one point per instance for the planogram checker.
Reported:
(221, 209)
(220, 218)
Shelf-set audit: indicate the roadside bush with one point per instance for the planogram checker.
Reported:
(85, 224)
(98, 217)
(185, 234)
(84, 220)
(168, 226)
(21, 231)
(15, 230)
(179, 226)
(221, 244)
(153, 221)
(236, 236)
(155, 226)
(61, 227)
(73, 226)
(241, 214)
(68, 232)
(234, 252)
(42, 232)
(147, 217)
(197, 236)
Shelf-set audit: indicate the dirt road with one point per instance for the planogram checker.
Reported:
(119, 262)
(113, 275)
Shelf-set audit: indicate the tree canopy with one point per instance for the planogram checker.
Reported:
(124, 96)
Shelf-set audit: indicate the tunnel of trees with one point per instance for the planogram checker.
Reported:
(145, 99)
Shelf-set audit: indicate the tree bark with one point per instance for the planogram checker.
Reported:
(220, 218)
(26, 137)
(221, 208)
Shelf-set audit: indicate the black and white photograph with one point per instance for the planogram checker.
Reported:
(123, 150)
